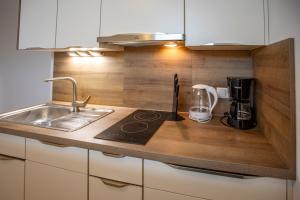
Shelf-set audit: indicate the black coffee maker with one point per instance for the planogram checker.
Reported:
(242, 114)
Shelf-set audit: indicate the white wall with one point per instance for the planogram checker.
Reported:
(21, 73)
(284, 21)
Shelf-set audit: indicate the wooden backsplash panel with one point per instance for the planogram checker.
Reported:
(149, 77)
(102, 78)
(143, 77)
(275, 89)
(213, 68)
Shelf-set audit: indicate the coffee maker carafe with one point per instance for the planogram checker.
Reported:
(242, 112)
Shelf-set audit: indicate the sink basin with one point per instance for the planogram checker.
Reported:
(55, 117)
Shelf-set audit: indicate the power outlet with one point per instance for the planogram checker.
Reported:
(223, 93)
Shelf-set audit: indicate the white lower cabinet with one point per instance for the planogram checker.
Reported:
(115, 177)
(152, 194)
(116, 167)
(43, 182)
(11, 178)
(57, 155)
(161, 176)
(12, 145)
(104, 189)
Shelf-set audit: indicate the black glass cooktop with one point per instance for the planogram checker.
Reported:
(136, 128)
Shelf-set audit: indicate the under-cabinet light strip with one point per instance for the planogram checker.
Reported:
(85, 54)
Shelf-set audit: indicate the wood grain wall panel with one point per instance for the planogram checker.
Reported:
(143, 77)
(100, 77)
(274, 71)
(213, 67)
(148, 81)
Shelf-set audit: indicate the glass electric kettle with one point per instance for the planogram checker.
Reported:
(202, 105)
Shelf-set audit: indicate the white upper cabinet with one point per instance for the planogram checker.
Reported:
(220, 21)
(37, 24)
(78, 23)
(147, 16)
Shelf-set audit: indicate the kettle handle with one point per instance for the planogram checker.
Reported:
(213, 91)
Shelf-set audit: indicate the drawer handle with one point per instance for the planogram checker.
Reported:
(2, 157)
(7, 158)
(213, 172)
(113, 155)
(113, 183)
(73, 47)
(53, 144)
(34, 48)
(223, 44)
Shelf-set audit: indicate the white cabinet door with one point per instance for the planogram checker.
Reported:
(152, 194)
(11, 179)
(125, 169)
(136, 16)
(230, 21)
(37, 24)
(12, 145)
(103, 189)
(70, 158)
(78, 23)
(160, 176)
(49, 183)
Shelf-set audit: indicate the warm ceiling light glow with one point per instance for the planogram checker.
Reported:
(72, 54)
(171, 45)
(83, 54)
(95, 53)
(84, 49)
(209, 44)
(95, 49)
(73, 49)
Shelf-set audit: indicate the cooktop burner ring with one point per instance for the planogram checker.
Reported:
(147, 116)
(136, 126)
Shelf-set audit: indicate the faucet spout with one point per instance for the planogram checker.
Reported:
(75, 103)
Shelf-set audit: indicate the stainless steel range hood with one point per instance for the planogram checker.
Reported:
(140, 39)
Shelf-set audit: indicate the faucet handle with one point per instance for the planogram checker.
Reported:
(83, 103)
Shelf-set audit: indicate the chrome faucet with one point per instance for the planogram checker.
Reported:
(75, 103)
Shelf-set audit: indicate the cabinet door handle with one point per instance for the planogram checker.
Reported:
(113, 183)
(113, 155)
(34, 48)
(213, 172)
(53, 143)
(7, 158)
(2, 157)
(224, 44)
(74, 47)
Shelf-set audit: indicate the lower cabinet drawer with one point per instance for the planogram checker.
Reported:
(12, 145)
(44, 182)
(152, 194)
(116, 167)
(161, 176)
(104, 189)
(70, 158)
(11, 178)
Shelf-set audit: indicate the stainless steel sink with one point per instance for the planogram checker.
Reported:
(55, 117)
